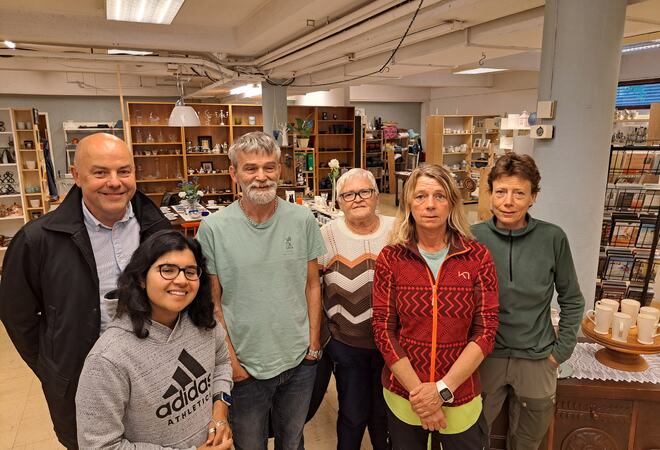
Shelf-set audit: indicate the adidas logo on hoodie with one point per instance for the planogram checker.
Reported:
(190, 389)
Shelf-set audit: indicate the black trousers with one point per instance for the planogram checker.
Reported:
(412, 437)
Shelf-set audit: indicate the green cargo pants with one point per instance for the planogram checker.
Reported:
(529, 386)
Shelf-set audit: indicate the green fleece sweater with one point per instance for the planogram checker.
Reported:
(531, 264)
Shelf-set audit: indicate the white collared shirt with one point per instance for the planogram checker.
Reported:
(113, 248)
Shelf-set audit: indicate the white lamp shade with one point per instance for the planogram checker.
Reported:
(184, 116)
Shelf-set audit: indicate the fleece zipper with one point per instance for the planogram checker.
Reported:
(510, 256)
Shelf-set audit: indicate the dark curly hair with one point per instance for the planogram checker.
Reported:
(132, 291)
(512, 164)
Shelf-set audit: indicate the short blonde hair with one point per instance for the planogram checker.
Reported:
(405, 230)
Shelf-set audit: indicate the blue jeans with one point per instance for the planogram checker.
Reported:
(361, 404)
(285, 398)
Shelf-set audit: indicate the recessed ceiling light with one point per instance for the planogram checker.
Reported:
(116, 51)
(10, 44)
(478, 70)
(143, 11)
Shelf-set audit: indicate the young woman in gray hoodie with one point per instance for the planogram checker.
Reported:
(160, 376)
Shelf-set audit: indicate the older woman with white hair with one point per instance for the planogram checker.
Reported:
(354, 242)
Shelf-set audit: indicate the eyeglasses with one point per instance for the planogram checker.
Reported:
(171, 271)
(364, 194)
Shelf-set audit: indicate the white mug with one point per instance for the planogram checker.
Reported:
(621, 326)
(651, 311)
(630, 307)
(35, 202)
(647, 326)
(603, 318)
(211, 202)
(612, 304)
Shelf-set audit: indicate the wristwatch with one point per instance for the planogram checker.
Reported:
(444, 392)
(223, 397)
(316, 354)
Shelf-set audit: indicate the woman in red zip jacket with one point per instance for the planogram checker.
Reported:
(435, 314)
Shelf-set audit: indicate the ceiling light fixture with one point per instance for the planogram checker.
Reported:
(478, 70)
(144, 11)
(10, 44)
(247, 91)
(182, 115)
(641, 46)
(116, 51)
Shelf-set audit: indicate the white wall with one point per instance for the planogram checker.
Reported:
(405, 115)
(511, 92)
(332, 97)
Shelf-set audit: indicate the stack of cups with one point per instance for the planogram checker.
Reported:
(606, 315)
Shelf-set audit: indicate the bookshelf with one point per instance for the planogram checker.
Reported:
(628, 260)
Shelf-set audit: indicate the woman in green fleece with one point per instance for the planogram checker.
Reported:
(533, 260)
(160, 375)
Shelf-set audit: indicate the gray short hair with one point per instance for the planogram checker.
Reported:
(255, 142)
(357, 172)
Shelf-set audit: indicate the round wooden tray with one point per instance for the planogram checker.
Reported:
(621, 355)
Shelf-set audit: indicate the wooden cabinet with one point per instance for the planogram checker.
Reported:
(165, 156)
(602, 415)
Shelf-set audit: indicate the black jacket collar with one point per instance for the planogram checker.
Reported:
(68, 217)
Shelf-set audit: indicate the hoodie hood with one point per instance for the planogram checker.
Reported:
(158, 333)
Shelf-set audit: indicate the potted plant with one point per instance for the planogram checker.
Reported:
(302, 130)
(190, 195)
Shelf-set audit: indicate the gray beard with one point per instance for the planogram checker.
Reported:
(260, 197)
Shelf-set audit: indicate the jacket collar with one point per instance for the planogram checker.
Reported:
(457, 244)
(68, 217)
(531, 224)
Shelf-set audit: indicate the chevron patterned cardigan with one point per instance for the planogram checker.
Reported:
(430, 319)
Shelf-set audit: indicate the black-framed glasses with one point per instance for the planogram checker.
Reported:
(364, 194)
(171, 271)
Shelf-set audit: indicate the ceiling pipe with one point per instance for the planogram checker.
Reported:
(371, 9)
(521, 20)
(386, 18)
(196, 62)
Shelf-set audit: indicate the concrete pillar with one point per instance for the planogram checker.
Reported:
(579, 69)
(273, 101)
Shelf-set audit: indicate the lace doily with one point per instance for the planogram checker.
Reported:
(586, 366)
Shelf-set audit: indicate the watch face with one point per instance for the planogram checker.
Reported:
(446, 394)
(227, 398)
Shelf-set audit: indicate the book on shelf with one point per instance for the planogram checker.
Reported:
(646, 229)
(616, 290)
(624, 232)
(619, 265)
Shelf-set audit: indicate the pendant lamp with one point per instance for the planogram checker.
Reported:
(182, 115)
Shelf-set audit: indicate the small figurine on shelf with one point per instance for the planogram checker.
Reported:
(333, 175)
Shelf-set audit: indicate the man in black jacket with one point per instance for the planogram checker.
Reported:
(58, 268)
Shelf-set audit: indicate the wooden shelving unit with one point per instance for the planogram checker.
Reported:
(166, 156)
(75, 131)
(333, 137)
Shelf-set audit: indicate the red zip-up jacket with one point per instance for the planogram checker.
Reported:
(432, 321)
